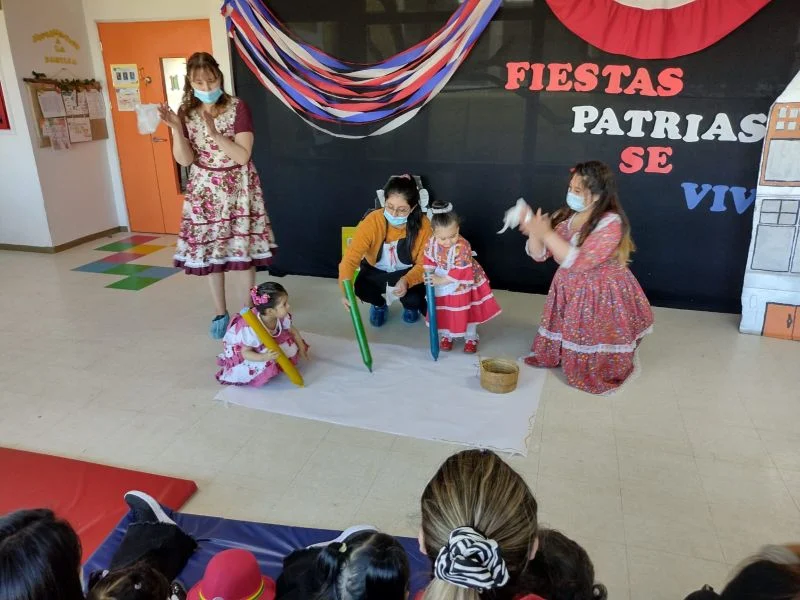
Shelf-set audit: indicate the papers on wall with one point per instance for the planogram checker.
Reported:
(95, 104)
(58, 132)
(80, 129)
(51, 103)
(127, 99)
(75, 103)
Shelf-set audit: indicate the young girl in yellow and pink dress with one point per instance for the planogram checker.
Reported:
(244, 359)
(464, 299)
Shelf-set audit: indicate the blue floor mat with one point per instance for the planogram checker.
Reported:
(269, 543)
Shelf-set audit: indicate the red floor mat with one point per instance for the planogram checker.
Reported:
(86, 494)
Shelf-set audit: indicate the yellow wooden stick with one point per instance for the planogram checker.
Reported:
(263, 335)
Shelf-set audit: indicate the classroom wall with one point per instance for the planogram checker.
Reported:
(23, 220)
(149, 10)
(75, 183)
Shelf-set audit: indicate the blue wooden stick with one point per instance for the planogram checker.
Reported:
(433, 329)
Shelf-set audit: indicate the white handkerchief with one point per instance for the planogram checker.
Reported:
(513, 216)
(389, 295)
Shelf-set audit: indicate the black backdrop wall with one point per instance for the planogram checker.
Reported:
(482, 146)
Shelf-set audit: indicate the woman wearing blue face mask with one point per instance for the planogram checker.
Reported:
(596, 313)
(225, 226)
(389, 249)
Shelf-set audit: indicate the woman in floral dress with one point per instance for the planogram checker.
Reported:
(225, 226)
(596, 313)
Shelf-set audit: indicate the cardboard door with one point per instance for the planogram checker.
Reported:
(780, 321)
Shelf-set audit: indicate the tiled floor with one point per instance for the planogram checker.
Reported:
(692, 468)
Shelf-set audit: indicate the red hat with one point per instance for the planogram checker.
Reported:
(233, 575)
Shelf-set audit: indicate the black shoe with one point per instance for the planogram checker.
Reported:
(145, 508)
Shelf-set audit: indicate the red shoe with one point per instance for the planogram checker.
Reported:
(445, 344)
(470, 346)
(530, 361)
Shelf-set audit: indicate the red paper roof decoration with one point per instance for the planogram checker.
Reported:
(634, 28)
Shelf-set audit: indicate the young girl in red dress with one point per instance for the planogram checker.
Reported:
(596, 312)
(464, 299)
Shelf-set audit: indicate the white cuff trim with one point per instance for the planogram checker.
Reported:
(539, 257)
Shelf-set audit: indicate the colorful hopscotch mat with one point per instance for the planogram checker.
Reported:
(137, 276)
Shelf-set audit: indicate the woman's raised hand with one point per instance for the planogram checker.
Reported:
(525, 219)
(539, 226)
(168, 116)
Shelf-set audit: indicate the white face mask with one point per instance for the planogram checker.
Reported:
(576, 202)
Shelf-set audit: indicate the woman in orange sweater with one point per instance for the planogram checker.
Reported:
(389, 248)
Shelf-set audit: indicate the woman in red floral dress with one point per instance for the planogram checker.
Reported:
(225, 226)
(596, 312)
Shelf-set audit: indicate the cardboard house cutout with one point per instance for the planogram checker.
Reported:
(771, 291)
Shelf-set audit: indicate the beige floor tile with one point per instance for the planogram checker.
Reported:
(579, 459)
(674, 498)
(657, 575)
(792, 480)
(739, 487)
(673, 535)
(610, 565)
(782, 447)
(741, 445)
(592, 510)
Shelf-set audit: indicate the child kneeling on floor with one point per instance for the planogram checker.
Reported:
(244, 359)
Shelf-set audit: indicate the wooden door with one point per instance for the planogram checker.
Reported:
(150, 176)
(780, 321)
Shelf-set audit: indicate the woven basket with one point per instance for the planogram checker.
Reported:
(499, 375)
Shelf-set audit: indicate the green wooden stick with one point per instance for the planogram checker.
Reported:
(358, 325)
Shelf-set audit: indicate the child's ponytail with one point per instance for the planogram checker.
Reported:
(366, 566)
(329, 565)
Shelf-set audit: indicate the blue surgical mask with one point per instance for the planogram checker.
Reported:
(208, 97)
(394, 221)
(575, 202)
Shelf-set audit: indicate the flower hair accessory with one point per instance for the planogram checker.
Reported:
(471, 560)
(258, 300)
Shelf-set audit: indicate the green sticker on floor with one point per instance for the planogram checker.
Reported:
(133, 283)
(127, 269)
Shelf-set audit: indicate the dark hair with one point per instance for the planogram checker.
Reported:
(405, 186)
(561, 570)
(40, 557)
(599, 180)
(137, 582)
(367, 566)
(201, 61)
(772, 574)
(276, 293)
(443, 215)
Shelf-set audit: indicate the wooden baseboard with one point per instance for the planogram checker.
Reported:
(62, 247)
